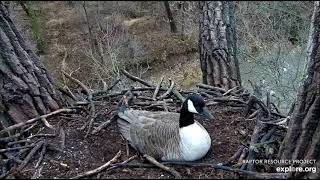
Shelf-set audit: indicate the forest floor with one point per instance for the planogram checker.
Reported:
(82, 154)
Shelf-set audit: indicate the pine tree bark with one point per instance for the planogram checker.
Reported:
(217, 44)
(173, 26)
(26, 89)
(302, 140)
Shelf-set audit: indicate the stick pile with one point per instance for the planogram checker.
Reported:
(21, 143)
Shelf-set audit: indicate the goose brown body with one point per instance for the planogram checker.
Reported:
(154, 133)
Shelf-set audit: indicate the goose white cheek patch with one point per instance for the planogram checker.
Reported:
(191, 107)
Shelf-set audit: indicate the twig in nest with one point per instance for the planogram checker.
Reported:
(163, 167)
(235, 156)
(30, 127)
(122, 164)
(134, 78)
(41, 135)
(10, 138)
(89, 94)
(157, 89)
(16, 148)
(254, 114)
(103, 125)
(178, 95)
(35, 119)
(30, 155)
(63, 138)
(167, 93)
(37, 173)
(113, 84)
(211, 88)
(18, 142)
(228, 99)
(43, 151)
(99, 169)
(46, 123)
(84, 87)
(230, 90)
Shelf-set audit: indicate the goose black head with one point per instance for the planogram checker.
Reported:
(194, 104)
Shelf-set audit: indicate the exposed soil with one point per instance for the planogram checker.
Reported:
(83, 154)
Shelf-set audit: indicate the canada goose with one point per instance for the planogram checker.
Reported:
(167, 136)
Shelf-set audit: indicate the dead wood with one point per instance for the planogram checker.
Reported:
(17, 148)
(157, 89)
(30, 155)
(35, 119)
(235, 156)
(230, 90)
(42, 153)
(99, 169)
(103, 125)
(46, 123)
(122, 164)
(178, 95)
(63, 138)
(134, 78)
(221, 90)
(175, 173)
(167, 93)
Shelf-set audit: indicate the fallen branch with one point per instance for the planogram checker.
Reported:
(236, 155)
(30, 155)
(90, 96)
(35, 119)
(157, 89)
(161, 166)
(103, 125)
(122, 164)
(42, 153)
(178, 95)
(230, 90)
(46, 123)
(205, 86)
(134, 78)
(17, 148)
(63, 138)
(18, 142)
(99, 169)
(168, 91)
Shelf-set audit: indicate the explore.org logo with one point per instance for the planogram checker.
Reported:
(296, 169)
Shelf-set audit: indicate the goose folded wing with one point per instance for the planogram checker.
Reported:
(154, 136)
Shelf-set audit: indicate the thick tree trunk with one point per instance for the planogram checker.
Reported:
(217, 44)
(303, 137)
(173, 26)
(26, 89)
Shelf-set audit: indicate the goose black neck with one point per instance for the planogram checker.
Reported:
(186, 117)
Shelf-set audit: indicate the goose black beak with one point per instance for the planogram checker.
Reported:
(206, 113)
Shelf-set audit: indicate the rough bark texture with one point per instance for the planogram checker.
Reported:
(217, 44)
(26, 89)
(303, 137)
(173, 26)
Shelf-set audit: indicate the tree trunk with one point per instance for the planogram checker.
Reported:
(26, 89)
(217, 44)
(302, 140)
(173, 26)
